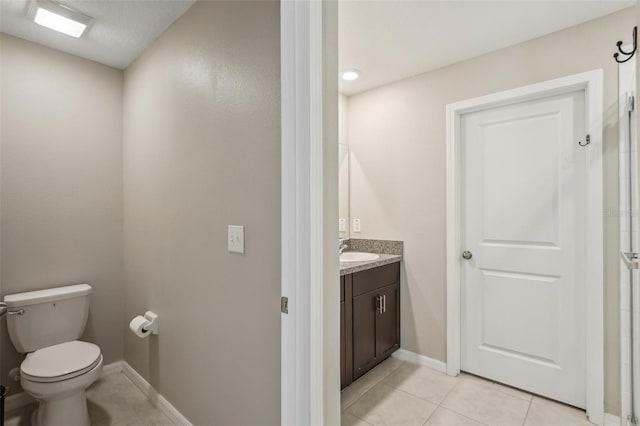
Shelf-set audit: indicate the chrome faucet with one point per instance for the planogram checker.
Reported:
(343, 245)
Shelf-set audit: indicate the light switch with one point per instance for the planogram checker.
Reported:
(342, 225)
(236, 239)
(356, 225)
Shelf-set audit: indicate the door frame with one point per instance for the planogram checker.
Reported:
(302, 262)
(591, 83)
(626, 84)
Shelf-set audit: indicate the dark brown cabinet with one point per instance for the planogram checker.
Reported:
(388, 322)
(364, 332)
(343, 335)
(370, 322)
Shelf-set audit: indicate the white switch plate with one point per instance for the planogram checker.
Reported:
(342, 225)
(236, 239)
(356, 225)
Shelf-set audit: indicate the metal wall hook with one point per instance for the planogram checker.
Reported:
(587, 141)
(630, 54)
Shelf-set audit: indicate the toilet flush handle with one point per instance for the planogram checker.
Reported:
(4, 310)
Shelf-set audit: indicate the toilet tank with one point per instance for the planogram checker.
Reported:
(51, 316)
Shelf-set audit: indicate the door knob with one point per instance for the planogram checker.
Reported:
(467, 255)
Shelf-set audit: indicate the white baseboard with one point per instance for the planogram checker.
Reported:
(414, 358)
(113, 368)
(18, 400)
(613, 420)
(21, 399)
(156, 399)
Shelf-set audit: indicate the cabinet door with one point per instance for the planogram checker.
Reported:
(346, 335)
(388, 322)
(364, 332)
(343, 348)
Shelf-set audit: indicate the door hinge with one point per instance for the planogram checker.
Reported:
(284, 305)
(632, 103)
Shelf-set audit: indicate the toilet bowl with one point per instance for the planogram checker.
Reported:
(45, 325)
(57, 377)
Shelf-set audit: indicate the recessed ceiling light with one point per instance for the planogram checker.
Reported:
(59, 17)
(350, 75)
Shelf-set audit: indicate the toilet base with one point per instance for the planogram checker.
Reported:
(62, 403)
(69, 411)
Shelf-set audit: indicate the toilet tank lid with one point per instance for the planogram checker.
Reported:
(48, 295)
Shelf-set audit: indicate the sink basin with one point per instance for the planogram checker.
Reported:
(354, 256)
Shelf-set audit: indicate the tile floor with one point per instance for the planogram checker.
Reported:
(398, 393)
(394, 393)
(113, 400)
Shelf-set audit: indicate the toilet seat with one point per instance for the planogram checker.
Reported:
(60, 362)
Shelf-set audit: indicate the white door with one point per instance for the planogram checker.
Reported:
(523, 220)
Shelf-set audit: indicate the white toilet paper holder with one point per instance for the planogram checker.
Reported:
(153, 322)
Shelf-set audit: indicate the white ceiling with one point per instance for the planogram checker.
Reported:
(394, 39)
(386, 40)
(121, 31)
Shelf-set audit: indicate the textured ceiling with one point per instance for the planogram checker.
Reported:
(121, 31)
(386, 40)
(394, 39)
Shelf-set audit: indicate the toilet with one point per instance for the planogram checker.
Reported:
(46, 325)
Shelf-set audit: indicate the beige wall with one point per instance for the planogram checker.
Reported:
(397, 139)
(61, 174)
(202, 151)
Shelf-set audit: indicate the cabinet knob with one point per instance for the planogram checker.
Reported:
(467, 255)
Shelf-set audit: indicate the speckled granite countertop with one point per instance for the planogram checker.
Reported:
(347, 268)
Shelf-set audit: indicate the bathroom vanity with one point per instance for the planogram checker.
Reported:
(369, 314)
(369, 290)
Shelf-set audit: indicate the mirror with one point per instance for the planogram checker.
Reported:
(343, 190)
